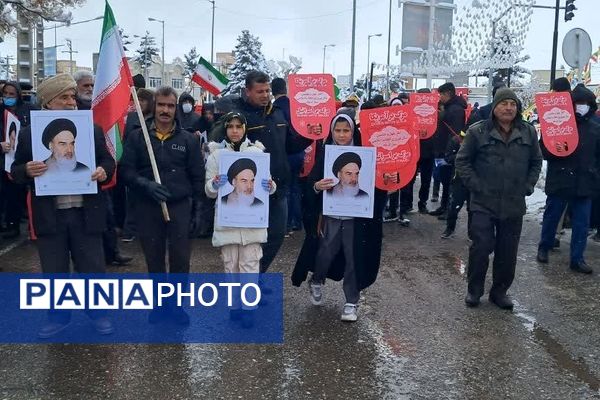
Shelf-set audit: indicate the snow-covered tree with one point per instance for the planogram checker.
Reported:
(191, 61)
(125, 40)
(31, 11)
(248, 57)
(147, 50)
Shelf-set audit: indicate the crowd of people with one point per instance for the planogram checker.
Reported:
(490, 160)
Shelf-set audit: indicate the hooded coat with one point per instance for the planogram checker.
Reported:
(367, 231)
(188, 121)
(577, 175)
(451, 122)
(499, 174)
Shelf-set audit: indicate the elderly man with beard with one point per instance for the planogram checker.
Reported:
(347, 168)
(68, 226)
(499, 162)
(241, 175)
(85, 89)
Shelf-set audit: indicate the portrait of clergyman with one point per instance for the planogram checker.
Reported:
(346, 168)
(11, 136)
(64, 141)
(241, 175)
(59, 137)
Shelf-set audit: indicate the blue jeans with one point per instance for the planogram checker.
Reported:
(580, 209)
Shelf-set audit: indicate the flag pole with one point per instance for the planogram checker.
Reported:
(138, 108)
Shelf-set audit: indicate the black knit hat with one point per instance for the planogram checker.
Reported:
(55, 127)
(238, 166)
(345, 159)
(504, 94)
(561, 85)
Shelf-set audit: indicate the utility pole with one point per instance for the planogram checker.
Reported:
(353, 43)
(212, 41)
(432, 5)
(554, 43)
(387, 70)
(8, 58)
(70, 51)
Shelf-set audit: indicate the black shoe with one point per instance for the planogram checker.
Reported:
(403, 221)
(103, 326)
(423, 209)
(581, 267)
(390, 217)
(438, 211)
(542, 256)
(503, 301)
(51, 329)
(471, 300)
(127, 238)
(447, 233)
(179, 316)
(121, 260)
(12, 231)
(556, 244)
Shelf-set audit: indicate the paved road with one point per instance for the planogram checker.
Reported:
(414, 339)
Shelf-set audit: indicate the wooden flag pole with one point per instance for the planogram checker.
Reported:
(138, 108)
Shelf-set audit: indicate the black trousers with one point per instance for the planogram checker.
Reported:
(500, 236)
(425, 166)
(446, 173)
(109, 236)
(460, 195)
(156, 235)
(13, 202)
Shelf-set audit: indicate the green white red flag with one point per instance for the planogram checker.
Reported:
(112, 86)
(209, 78)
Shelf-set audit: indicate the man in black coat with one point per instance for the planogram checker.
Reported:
(70, 226)
(451, 122)
(181, 168)
(572, 181)
(268, 125)
(499, 162)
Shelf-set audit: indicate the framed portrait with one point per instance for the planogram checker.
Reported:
(12, 126)
(243, 202)
(64, 141)
(352, 169)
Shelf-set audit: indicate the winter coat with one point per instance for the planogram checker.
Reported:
(451, 122)
(367, 232)
(499, 174)
(22, 110)
(179, 160)
(268, 125)
(579, 173)
(43, 208)
(283, 103)
(188, 121)
(223, 235)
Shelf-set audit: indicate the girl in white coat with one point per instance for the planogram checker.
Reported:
(240, 247)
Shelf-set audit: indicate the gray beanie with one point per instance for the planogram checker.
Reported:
(504, 94)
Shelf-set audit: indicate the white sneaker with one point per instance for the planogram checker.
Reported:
(316, 293)
(349, 313)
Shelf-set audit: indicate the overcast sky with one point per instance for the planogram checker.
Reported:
(297, 27)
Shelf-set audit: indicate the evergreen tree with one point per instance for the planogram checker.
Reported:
(191, 61)
(125, 40)
(248, 57)
(146, 51)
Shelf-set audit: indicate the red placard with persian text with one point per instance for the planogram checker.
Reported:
(425, 113)
(389, 130)
(557, 120)
(310, 153)
(312, 104)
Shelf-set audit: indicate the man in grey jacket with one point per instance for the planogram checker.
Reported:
(499, 162)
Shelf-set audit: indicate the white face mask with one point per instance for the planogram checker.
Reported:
(186, 107)
(582, 109)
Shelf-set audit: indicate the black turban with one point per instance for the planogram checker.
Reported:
(345, 159)
(239, 166)
(55, 127)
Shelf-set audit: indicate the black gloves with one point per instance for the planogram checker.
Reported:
(196, 218)
(155, 190)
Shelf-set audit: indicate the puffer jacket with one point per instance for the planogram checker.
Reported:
(228, 235)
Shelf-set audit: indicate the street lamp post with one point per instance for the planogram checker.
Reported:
(70, 24)
(163, 47)
(369, 55)
(324, 51)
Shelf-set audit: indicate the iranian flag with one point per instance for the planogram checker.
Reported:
(112, 87)
(209, 78)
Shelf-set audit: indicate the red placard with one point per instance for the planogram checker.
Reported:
(463, 92)
(388, 129)
(557, 120)
(312, 104)
(424, 107)
(310, 153)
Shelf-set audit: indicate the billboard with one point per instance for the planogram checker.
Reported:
(49, 61)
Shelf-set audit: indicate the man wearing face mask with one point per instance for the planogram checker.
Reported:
(573, 181)
(188, 119)
(13, 194)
